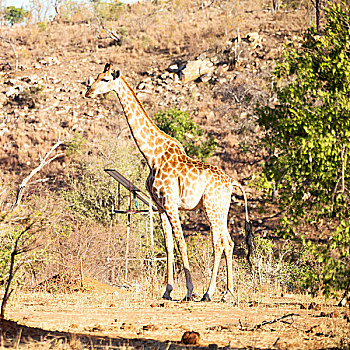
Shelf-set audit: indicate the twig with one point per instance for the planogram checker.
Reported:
(18, 338)
(279, 319)
(274, 344)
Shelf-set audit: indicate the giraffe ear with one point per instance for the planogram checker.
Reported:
(107, 67)
(116, 74)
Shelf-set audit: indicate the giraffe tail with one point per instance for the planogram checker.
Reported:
(248, 226)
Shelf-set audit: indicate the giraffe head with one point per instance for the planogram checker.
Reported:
(105, 82)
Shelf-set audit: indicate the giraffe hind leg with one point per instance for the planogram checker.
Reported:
(228, 251)
(174, 220)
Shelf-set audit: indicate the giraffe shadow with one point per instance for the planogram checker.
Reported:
(13, 334)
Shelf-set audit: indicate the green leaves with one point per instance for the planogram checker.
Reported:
(14, 14)
(308, 138)
(179, 125)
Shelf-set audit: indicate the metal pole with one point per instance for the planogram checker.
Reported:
(128, 225)
(151, 225)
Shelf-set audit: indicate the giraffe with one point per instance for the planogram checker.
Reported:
(176, 182)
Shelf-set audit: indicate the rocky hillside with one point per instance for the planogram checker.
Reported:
(212, 60)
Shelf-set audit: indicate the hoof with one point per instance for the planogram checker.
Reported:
(186, 298)
(206, 297)
(167, 297)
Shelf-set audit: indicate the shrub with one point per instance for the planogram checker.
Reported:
(286, 265)
(307, 136)
(179, 125)
(14, 14)
(91, 190)
(107, 10)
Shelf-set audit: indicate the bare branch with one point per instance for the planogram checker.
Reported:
(9, 41)
(46, 160)
(278, 319)
(110, 33)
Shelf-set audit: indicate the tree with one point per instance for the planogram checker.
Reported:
(308, 139)
(14, 14)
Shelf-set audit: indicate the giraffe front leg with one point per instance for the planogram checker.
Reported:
(173, 216)
(169, 245)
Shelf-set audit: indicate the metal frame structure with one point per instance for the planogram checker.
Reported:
(134, 194)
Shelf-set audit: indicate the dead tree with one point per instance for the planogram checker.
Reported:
(25, 240)
(46, 160)
(111, 33)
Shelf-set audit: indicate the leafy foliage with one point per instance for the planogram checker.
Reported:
(178, 124)
(308, 137)
(91, 190)
(107, 10)
(14, 14)
(287, 264)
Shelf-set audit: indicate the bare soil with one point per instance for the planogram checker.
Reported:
(121, 318)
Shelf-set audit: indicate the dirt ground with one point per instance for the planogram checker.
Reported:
(128, 319)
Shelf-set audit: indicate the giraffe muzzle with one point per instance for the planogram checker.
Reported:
(89, 93)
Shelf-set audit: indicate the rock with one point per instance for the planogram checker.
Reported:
(11, 82)
(174, 67)
(254, 39)
(195, 69)
(205, 78)
(150, 327)
(32, 79)
(190, 338)
(3, 99)
(253, 36)
(49, 61)
(127, 327)
(4, 131)
(141, 86)
(11, 91)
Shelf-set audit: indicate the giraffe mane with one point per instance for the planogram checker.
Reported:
(144, 111)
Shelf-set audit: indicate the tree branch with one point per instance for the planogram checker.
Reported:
(13, 49)
(44, 161)
(279, 319)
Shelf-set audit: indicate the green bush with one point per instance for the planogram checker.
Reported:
(108, 10)
(287, 265)
(90, 189)
(14, 14)
(179, 125)
(308, 138)
(22, 234)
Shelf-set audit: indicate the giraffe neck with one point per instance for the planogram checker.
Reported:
(151, 141)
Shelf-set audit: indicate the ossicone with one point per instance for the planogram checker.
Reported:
(108, 66)
(116, 74)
